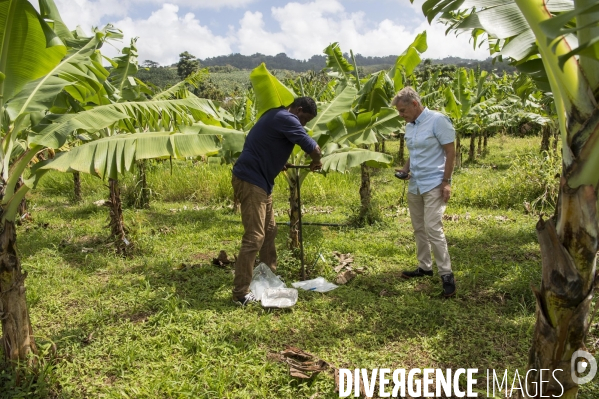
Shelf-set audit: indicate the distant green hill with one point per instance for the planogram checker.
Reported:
(230, 73)
(318, 62)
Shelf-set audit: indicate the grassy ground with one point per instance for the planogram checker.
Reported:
(161, 324)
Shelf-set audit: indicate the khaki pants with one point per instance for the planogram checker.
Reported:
(260, 231)
(426, 212)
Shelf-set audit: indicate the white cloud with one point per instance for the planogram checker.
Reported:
(441, 46)
(306, 29)
(214, 4)
(165, 34)
(87, 13)
(300, 30)
(252, 38)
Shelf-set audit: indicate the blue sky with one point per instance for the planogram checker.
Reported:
(301, 28)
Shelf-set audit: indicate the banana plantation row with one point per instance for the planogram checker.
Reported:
(62, 109)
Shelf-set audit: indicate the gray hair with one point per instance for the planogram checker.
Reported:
(406, 95)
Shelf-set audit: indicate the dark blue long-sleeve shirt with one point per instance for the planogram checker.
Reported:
(268, 147)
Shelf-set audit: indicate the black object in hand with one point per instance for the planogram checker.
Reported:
(401, 175)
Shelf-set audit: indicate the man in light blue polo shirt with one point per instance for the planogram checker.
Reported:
(430, 140)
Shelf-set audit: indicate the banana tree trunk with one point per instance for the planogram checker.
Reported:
(17, 335)
(117, 226)
(402, 149)
(365, 196)
(380, 146)
(556, 138)
(22, 209)
(458, 151)
(568, 248)
(568, 253)
(545, 136)
(294, 210)
(485, 142)
(479, 150)
(143, 197)
(77, 186)
(471, 154)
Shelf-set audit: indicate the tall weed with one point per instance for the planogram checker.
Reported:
(530, 182)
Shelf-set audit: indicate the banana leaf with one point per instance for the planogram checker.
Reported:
(337, 63)
(29, 48)
(74, 70)
(346, 158)
(150, 115)
(270, 92)
(111, 156)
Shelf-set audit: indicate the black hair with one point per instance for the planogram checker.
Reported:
(307, 103)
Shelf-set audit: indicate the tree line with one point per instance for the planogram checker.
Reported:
(165, 76)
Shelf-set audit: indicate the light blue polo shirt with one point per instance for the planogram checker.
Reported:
(424, 139)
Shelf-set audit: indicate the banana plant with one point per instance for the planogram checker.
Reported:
(45, 73)
(318, 85)
(339, 152)
(557, 44)
(540, 104)
(35, 67)
(374, 94)
(465, 91)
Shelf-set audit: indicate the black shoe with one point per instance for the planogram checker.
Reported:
(417, 273)
(448, 285)
(248, 299)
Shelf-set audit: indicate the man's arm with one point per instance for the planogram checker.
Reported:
(449, 162)
(316, 155)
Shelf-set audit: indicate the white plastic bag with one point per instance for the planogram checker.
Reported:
(262, 279)
(279, 297)
(318, 284)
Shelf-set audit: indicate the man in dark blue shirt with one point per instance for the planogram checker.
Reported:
(265, 153)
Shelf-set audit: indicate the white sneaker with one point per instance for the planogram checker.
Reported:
(248, 299)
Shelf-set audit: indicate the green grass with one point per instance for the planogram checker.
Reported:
(160, 324)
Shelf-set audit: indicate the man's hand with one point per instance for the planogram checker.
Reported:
(445, 191)
(315, 155)
(407, 172)
(315, 165)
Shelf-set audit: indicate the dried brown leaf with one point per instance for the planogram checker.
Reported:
(297, 373)
(345, 277)
(296, 353)
(301, 364)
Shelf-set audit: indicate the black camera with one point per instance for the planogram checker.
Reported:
(401, 175)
